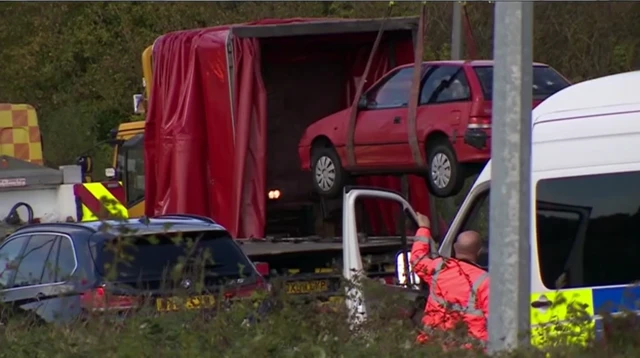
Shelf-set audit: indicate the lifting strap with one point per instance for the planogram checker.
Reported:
(415, 89)
(472, 52)
(351, 157)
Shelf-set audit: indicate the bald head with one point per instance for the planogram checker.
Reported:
(468, 246)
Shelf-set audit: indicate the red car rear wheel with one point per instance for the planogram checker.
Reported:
(445, 176)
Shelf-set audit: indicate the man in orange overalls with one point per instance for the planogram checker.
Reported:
(458, 288)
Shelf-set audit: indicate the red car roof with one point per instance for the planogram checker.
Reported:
(472, 63)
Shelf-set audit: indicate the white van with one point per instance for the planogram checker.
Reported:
(585, 187)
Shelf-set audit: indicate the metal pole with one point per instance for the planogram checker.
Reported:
(456, 31)
(511, 176)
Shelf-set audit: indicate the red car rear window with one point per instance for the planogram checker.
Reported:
(546, 81)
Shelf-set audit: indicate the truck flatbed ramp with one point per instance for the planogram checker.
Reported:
(260, 247)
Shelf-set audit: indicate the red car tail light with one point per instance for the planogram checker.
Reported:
(98, 299)
(479, 123)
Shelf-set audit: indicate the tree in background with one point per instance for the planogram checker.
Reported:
(79, 63)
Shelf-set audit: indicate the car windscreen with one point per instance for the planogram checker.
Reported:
(546, 81)
(158, 256)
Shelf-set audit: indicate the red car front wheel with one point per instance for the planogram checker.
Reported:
(327, 172)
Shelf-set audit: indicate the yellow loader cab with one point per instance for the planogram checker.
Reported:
(128, 154)
(128, 161)
(19, 133)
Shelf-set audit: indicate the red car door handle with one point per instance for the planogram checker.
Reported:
(396, 120)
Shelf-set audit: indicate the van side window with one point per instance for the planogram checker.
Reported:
(478, 220)
(587, 229)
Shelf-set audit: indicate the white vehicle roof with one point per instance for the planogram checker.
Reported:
(608, 91)
(601, 95)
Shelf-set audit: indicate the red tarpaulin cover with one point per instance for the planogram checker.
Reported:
(204, 155)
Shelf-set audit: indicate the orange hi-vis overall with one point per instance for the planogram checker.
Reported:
(458, 291)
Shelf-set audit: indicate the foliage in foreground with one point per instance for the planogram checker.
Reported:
(276, 325)
(292, 330)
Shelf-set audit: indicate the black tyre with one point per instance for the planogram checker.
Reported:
(327, 172)
(445, 175)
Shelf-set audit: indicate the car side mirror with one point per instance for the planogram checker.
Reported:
(411, 280)
(363, 102)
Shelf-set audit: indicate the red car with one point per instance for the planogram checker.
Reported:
(453, 126)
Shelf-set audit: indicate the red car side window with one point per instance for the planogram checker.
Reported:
(394, 92)
(457, 89)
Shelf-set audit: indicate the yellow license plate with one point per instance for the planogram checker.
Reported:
(301, 287)
(185, 303)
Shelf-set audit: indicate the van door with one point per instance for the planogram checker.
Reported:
(560, 254)
(586, 232)
(353, 267)
(560, 236)
(583, 252)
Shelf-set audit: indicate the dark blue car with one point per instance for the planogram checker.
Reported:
(68, 271)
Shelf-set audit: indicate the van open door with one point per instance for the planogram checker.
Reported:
(353, 268)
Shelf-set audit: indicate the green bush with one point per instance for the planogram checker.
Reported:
(290, 328)
(293, 331)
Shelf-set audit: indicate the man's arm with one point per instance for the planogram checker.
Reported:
(420, 251)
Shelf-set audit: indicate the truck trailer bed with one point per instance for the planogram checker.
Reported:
(266, 247)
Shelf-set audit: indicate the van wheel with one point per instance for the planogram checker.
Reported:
(327, 172)
(445, 175)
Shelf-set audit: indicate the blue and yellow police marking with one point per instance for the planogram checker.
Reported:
(566, 320)
(614, 300)
(576, 314)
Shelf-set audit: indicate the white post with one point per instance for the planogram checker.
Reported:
(511, 176)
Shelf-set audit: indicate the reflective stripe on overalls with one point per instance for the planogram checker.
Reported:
(470, 308)
(432, 251)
